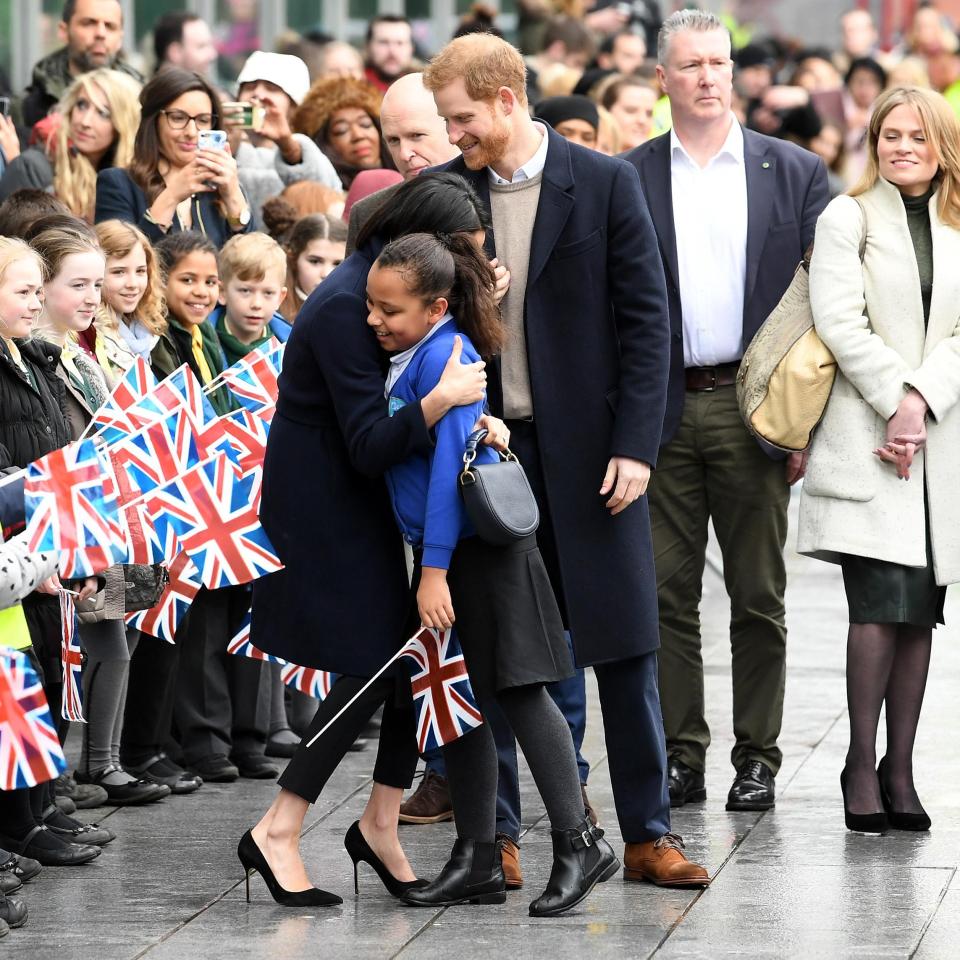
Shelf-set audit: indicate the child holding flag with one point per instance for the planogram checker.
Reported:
(74, 268)
(33, 425)
(220, 702)
(423, 291)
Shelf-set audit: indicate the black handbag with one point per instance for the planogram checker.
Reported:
(497, 496)
(143, 585)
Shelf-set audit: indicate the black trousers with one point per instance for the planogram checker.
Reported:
(148, 714)
(221, 705)
(312, 767)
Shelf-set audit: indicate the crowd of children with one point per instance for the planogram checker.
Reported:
(78, 306)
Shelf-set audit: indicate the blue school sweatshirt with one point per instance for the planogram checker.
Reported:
(424, 488)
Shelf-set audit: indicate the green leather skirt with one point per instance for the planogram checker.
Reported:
(882, 592)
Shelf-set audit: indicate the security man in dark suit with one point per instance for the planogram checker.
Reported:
(734, 212)
(581, 383)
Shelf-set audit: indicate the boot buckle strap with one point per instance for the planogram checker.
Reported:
(585, 838)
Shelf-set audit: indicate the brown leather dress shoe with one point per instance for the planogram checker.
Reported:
(510, 856)
(663, 862)
(430, 803)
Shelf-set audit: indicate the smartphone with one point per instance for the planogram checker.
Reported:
(5, 106)
(212, 140)
(250, 116)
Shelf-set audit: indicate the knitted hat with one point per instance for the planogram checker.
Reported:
(331, 94)
(560, 109)
(289, 73)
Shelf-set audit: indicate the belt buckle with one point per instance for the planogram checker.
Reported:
(713, 385)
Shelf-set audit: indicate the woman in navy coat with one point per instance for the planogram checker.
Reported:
(342, 601)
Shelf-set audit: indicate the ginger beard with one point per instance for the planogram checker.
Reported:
(478, 154)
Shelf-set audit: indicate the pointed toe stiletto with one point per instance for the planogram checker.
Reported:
(359, 850)
(253, 859)
(915, 822)
(861, 822)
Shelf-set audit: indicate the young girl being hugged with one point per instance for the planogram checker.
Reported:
(191, 275)
(132, 317)
(422, 292)
(74, 268)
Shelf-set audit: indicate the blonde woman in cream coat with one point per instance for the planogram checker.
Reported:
(880, 495)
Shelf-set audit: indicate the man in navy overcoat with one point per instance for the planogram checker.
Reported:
(582, 385)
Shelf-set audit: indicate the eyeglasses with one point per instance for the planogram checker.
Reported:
(178, 120)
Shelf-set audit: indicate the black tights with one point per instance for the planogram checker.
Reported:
(886, 663)
(544, 737)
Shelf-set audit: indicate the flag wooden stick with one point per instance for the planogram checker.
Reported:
(352, 701)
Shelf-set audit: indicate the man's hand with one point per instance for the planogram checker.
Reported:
(797, 466)
(627, 479)
(433, 599)
(501, 280)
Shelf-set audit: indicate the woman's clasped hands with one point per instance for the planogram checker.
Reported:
(906, 434)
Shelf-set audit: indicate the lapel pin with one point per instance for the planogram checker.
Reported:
(765, 165)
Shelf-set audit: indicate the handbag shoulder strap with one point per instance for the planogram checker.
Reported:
(808, 254)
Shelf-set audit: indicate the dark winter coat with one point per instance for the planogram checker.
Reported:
(31, 170)
(341, 602)
(32, 419)
(597, 335)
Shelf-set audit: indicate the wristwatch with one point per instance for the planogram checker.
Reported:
(237, 222)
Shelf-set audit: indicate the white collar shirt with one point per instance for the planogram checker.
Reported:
(710, 224)
(400, 361)
(531, 168)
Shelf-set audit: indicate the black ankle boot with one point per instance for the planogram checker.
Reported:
(581, 860)
(473, 874)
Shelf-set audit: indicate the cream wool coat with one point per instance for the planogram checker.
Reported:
(871, 318)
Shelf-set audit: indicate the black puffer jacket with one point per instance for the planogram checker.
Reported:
(32, 421)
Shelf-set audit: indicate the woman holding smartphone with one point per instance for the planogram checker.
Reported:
(176, 181)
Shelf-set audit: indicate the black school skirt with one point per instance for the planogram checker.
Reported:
(507, 617)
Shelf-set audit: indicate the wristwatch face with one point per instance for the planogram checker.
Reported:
(244, 217)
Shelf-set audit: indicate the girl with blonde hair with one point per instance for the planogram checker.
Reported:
(94, 128)
(132, 315)
(884, 293)
(74, 266)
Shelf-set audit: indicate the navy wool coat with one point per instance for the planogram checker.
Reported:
(342, 600)
(597, 334)
(786, 193)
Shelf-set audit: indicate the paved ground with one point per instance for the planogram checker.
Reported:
(790, 883)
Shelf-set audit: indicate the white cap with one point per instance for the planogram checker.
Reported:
(288, 72)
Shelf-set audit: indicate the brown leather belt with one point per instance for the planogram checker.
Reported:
(705, 379)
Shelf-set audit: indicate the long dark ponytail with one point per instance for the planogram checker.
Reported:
(451, 266)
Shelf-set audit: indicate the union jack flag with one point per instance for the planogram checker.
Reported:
(242, 647)
(111, 419)
(71, 505)
(246, 437)
(30, 752)
(253, 378)
(143, 542)
(157, 454)
(442, 695)
(213, 512)
(314, 683)
(180, 392)
(71, 659)
(163, 620)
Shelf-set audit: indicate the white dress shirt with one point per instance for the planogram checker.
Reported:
(710, 221)
(532, 167)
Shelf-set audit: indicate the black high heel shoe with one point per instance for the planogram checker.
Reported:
(861, 822)
(917, 822)
(252, 858)
(359, 849)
